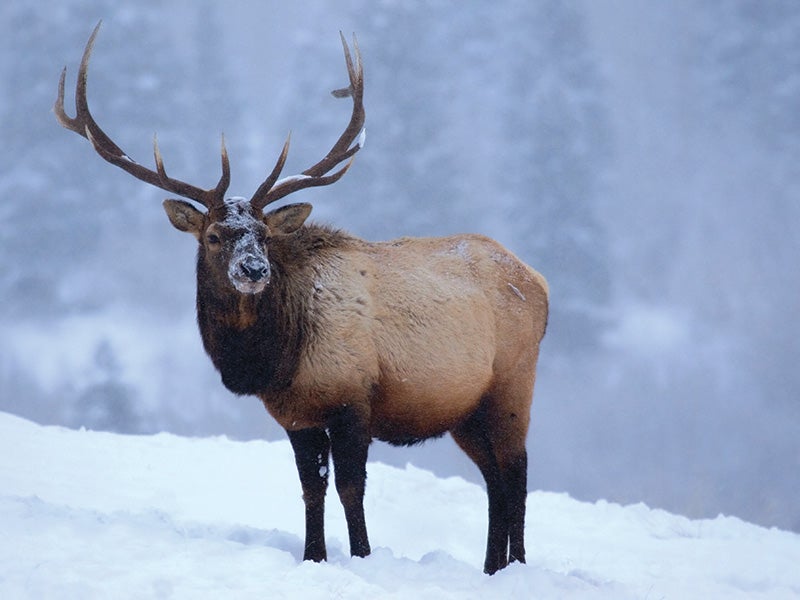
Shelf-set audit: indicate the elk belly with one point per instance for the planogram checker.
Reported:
(409, 415)
(434, 386)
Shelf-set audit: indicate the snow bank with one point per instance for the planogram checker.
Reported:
(98, 515)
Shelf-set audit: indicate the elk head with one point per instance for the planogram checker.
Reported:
(233, 233)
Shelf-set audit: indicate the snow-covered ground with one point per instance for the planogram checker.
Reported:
(97, 515)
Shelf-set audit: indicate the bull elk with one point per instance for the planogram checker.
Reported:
(345, 340)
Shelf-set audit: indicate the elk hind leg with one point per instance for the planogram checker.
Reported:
(508, 419)
(473, 437)
(311, 449)
(515, 475)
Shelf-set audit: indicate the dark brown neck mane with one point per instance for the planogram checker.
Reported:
(256, 342)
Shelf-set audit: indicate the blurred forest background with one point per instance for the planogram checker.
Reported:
(643, 156)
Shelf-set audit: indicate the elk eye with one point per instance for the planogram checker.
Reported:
(213, 239)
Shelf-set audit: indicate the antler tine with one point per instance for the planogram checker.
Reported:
(211, 197)
(266, 186)
(84, 124)
(343, 149)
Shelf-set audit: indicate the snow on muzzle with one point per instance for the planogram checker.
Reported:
(249, 270)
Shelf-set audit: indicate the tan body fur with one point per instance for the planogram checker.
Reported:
(415, 332)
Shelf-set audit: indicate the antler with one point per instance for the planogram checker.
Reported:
(85, 125)
(272, 189)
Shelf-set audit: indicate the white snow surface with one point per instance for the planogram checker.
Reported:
(97, 515)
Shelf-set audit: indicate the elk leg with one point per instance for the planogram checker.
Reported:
(311, 448)
(497, 539)
(508, 420)
(515, 474)
(349, 446)
(473, 438)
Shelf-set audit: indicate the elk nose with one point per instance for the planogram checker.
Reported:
(255, 271)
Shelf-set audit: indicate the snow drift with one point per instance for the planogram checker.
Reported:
(98, 515)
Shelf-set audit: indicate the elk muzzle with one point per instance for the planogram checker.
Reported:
(249, 269)
(255, 270)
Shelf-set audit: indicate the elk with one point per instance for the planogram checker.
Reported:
(345, 340)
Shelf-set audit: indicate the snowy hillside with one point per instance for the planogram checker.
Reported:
(99, 515)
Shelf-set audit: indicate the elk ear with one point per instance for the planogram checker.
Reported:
(287, 219)
(184, 217)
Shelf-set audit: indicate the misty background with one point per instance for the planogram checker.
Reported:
(643, 156)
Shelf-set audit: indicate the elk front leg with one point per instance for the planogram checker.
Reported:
(350, 441)
(311, 449)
